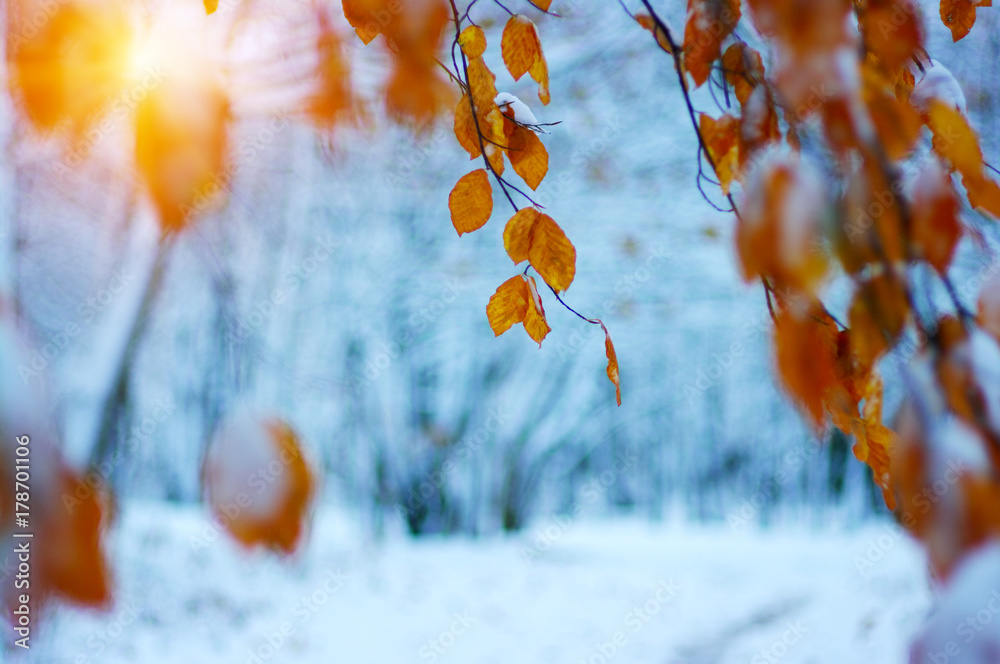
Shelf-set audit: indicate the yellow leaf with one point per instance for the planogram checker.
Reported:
(181, 147)
(67, 61)
(528, 156)
(534, 320)
(954, 139)
(473, 41)
(609, 350)
(471, 202)
(508, 305)
(211, 6)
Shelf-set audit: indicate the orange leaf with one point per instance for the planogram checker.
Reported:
(958, 16)
(333, 96)
(954, 139)
(465, 128)
(778, 240)
(482, 83)
(609, 350)
(989, 306)
(528, 156)
(540, 74)
(897, 123)
(471, 202)
(508, 305)
(874, 440)
(936, 229)
(647, 21)
(708, 23)
(73, 65)
(537, 238)
(877, 316)
(473, 41)
(984, 194)
(520, 46)
(552, 254)
(415, 93)
(722, 137)
(892, 29)
(534, 319)
(181, 147)
(517, 234)
(275, 516)
(542, 4)
(744, 69)
(360, 14)
(522, 53)
(806, 352)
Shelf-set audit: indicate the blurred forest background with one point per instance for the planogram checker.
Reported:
(332, 290)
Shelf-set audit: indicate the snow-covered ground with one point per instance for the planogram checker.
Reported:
(563, 592)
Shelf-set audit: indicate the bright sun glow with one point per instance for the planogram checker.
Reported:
(177, 41)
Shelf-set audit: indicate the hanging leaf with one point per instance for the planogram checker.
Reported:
(722, 137)
(537, 238)
(275, 513)
(360, 14)
(877, 316)
(958, 16)
(806, 353)
(508, 305)
(473, 41)
(954, 139)
(989, 306)
(893, 30)
(778, 239)
(609, 350)
(471, 202)
(465, 128)
(522, 53)
(936, 228)
(874, 440)
(534, 319)
(528, 156)
(709, 22)
(182, 147)
(744, 70)
(73, 64)
(649, 23)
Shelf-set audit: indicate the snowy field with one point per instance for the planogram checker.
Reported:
(558, 594)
